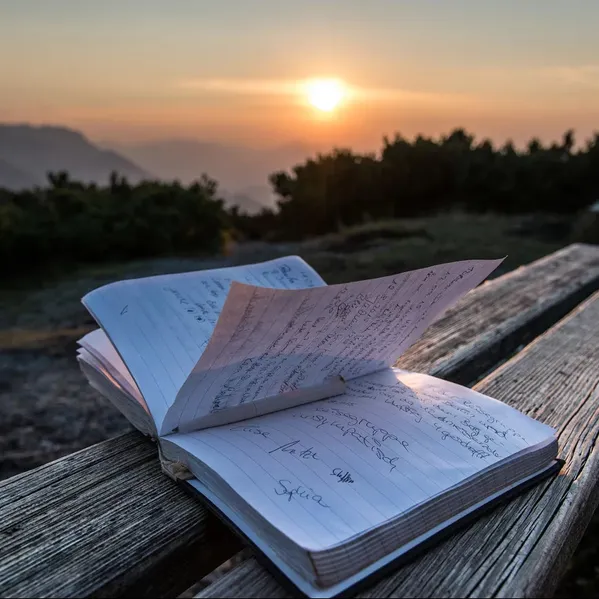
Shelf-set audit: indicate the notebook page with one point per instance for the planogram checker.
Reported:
(160, 325)
(271, 342)
(325, 471)
(346, 586)
(99, 346)
(111, 388)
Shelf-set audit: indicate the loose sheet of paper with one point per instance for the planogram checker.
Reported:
(268, 342)
(325, 471)
(161, 325)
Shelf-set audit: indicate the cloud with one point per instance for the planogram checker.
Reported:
(581, 75)
(298, 88)
(244, 86)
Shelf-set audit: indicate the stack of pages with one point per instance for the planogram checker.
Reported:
(274, 396)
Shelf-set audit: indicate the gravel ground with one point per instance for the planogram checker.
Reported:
(48, 409)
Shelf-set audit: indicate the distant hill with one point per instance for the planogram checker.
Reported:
(242, 172)
(28, 153)
(250, 202)
(14, 178)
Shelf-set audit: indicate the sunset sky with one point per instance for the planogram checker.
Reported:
(234, 71)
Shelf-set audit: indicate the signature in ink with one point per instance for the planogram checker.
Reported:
(299, 492)
(293, 449)
(343, 476)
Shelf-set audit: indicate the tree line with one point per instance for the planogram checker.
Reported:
(71, 221)
(425, 175)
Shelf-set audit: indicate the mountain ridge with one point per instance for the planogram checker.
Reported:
(14, 178)
(29, 152)
(241, 171)
(34, 151)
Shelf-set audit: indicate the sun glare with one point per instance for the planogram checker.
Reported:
(325, 94)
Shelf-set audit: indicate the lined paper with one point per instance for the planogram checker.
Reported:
(326, 471)
(99, 346)
(161, 325)
(271, 342)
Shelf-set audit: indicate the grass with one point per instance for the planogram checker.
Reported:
(52, 300)
(384, 248)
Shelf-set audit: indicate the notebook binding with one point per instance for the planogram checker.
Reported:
(173, 469)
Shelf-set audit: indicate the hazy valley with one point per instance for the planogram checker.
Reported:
(28, 153)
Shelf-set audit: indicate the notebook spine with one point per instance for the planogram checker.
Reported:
(173, 469)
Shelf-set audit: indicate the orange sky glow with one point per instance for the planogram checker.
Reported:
(226, 73)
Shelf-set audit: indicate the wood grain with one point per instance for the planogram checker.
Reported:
(521, 548)
(105, 521)
(490, 323)
(98, 521)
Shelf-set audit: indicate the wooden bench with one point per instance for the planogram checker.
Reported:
(106, 522)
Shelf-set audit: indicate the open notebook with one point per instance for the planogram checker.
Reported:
(274, 396)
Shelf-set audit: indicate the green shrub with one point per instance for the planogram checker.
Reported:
(74, 222)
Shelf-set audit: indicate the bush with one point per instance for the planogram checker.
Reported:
(423, 176)
(75, 222)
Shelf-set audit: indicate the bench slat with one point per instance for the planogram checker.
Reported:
(107, 507)
(522, 548)
(145, 536)
(493, 321)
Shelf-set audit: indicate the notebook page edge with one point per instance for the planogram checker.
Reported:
(159, 392)
(369, 572)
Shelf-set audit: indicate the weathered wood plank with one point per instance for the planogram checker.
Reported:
(93, 523)
(494, 320)
(105, 521)
(520, 549)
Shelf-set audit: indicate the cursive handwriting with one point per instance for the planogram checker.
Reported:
(252, 429)
(343, 476)
(293, 449)
(403, 407)
(369, 441)
(348, 330)
(465, 443)
(299, 492)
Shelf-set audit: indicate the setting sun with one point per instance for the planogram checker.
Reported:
(325, 94)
